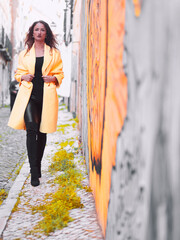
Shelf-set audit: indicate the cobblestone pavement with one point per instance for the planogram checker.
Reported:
(12, 150)
(21, 222)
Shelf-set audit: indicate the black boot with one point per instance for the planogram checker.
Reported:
(41, 145)
(32, 148)
(39, 170)
(34, 177)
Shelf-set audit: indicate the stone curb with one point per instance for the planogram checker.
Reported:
(8, 204)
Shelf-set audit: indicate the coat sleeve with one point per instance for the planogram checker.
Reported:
(21, 69)
(57, 69)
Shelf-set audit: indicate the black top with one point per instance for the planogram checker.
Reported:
(38, 82)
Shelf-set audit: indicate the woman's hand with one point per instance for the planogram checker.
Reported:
(27, 78)
(49, 79)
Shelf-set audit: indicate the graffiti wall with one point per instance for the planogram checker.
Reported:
(128, 91)
(101, 98)
(145, 192)
(106, 94)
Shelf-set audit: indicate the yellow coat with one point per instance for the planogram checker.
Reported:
(52, 66)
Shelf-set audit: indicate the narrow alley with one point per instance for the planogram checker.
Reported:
(111, 170)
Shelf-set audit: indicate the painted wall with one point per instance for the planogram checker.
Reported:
(99, 106)
(145, 183)
(129, 78)
(78, 94)
(107, 95)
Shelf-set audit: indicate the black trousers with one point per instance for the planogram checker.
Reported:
(35, 140)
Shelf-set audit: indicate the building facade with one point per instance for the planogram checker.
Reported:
(126, 95)
(5, 50)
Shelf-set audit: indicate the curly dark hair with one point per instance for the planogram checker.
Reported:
(50, 38)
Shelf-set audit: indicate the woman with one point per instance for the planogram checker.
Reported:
(39, 72)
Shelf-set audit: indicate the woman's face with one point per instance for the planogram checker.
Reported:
(39, 32)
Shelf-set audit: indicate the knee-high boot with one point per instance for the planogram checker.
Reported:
(32, 148)
(41, 147)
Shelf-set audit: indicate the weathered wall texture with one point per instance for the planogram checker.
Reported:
(132, 118)
(78, 95)
(107, 95)
(99, 106)
(145, 187)
(83, 77)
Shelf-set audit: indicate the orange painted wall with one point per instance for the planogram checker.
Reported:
(106, 94)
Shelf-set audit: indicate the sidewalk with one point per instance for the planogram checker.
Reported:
(21, 211)
(12, 150)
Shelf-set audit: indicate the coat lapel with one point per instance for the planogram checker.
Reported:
(31, 60)
(48, 55)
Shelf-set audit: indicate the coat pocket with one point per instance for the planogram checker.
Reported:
(16, 119)
(26, 84)
(50, 85)
(50, 109)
